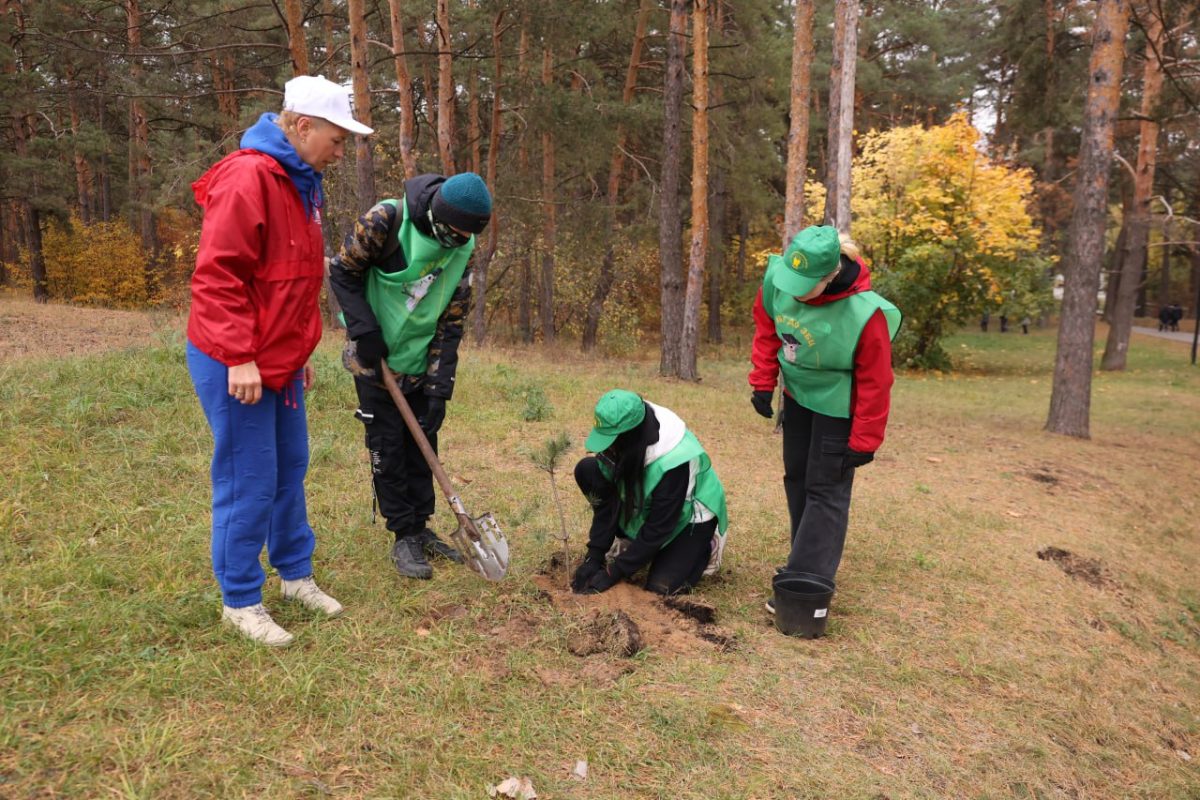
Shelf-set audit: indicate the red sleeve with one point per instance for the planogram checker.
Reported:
(871, 392)
(231, 247)
(764, 351)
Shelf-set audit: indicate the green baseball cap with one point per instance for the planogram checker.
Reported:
(617, 411)
(812, 255)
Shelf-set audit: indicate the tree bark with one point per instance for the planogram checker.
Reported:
(797, 157)
(670, 228)
(1070, 399)
(139, 154)
(607, 276)
(445, 126)
(223, 69)
(841, 114)
(698, 254)
(297, 41)
(364, 160)
(525, 296)
(83, 170)
(549, 228)
(328, 17)
(484, 260)
(716, 254)
(1163, 296)
(1133, 266)
(22, 126)
(404, 84)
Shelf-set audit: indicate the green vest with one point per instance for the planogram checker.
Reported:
(409, 303)
(818, 343)
(707, 489)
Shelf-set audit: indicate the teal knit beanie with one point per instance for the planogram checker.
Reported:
(463, 202)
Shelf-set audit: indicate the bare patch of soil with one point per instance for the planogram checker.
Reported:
(611, 621)
(1089, 570)
(40, 330)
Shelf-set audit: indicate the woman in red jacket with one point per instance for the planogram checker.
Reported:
(253, 324)
(818, 323)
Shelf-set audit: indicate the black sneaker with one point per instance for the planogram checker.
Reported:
(409, 559)
(436, 548)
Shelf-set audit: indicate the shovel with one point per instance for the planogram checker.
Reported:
(478, 539)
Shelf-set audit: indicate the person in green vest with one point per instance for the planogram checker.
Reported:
(818, 323)
(656, 500)
(403, 281)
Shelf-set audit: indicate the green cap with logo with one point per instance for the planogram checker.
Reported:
(617, 411)
(812, 255)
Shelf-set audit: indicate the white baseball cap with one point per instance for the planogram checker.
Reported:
(313, 96)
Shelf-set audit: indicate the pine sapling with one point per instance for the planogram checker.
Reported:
(547, 458)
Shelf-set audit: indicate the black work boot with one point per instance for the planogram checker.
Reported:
(409, 558)
(436, 548)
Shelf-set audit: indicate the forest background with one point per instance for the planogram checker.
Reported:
(645, 156)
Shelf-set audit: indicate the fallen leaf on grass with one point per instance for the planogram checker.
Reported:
(1184, 755)
(1016, 514)
(580, 771)
(516, 788)
(422, 631)
(933, 459)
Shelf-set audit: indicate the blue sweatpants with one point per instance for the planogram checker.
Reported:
(260, 457)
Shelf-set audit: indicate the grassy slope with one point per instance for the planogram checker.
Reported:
(958, 664)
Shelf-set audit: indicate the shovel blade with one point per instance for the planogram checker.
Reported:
(483, 545)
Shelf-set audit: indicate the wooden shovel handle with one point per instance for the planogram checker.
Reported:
(414, 427)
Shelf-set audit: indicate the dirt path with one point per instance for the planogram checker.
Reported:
(35, 330)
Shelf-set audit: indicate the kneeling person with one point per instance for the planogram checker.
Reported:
(654, 494)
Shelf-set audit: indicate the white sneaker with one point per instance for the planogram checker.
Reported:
(256, 622)
(309, 595)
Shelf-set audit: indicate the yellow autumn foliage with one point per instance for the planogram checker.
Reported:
(100, 264)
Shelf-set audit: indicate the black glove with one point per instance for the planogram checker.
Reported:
(599, 582)
(762, 403)
(435, 414)
(371, 349)
(584, 572)
(854, 458)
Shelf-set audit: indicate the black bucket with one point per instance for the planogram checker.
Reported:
(802, 603)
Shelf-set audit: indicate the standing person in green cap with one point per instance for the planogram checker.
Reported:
(403, 281)
(654, 494)
(817, 321)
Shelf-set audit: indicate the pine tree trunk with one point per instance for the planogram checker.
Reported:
(549, 229)
(297, 41)
(446, 93)
(841, 114)
(473, 130)
(364, 160)
(525, 289)
(223, 68)
(483, 261)
(698, 255)
(404, 84)
(328, 66)
(139, 154)
(1133, 268)
(716, 254)
(1164, 273)
(607, 276)
(1070, 399)
(83, 170)
(670, 229)
(797, 155)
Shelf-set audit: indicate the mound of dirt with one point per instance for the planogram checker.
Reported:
(677, 625)
(1089, 570)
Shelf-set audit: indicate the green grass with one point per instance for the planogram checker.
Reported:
(957, 663)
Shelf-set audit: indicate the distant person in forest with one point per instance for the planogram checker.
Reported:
(254, 322)
(656, 500)
(403, 280)
(818, 323)
(983, 321)
(1025, 323)
(1166, 316)
(1176, 316)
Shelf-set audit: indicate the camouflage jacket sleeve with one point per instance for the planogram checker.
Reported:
(443, 350)
(348, 269)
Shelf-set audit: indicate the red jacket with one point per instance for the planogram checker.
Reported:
(258, 270)
(870, 393)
